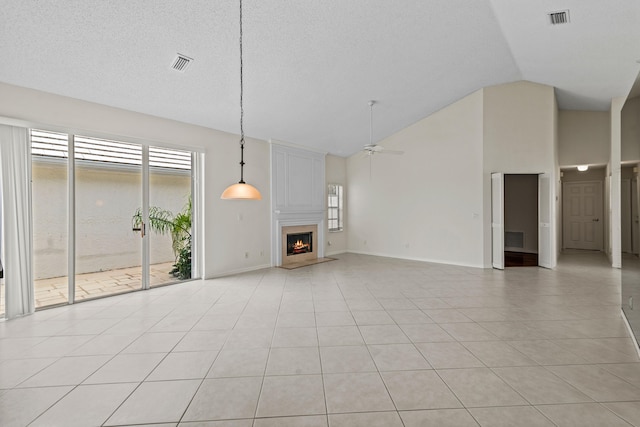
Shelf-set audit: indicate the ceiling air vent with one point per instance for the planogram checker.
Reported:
(181, 63)
(559, 17)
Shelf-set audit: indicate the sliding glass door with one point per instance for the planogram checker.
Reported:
(108, 217)
(170, 215)
(108, 192)
(49, 201)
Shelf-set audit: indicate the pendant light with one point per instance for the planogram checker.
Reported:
(241, 190)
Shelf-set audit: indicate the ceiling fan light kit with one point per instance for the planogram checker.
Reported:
(241, 190)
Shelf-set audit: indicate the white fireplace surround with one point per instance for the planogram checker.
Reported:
(297, 194)
(297, 219)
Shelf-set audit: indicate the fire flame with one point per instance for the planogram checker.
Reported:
(299, 245)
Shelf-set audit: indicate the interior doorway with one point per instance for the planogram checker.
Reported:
(520, 220)
(583, 210)
(582, 215)
(521, 213)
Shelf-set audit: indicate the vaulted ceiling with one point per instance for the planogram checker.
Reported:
(310, 67)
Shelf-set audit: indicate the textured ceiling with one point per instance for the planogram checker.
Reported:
(312, 66)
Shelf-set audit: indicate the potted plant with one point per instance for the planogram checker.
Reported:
(163, 221)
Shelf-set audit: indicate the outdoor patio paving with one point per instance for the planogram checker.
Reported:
(93, 285)
(54, 291)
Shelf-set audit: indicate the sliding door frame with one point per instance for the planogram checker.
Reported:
(196, 197)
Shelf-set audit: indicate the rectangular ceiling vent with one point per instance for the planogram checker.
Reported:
(559, 17)
(181, 63)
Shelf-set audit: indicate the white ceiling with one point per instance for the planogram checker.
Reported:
(312, 66)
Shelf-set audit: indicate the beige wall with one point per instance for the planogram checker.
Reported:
(519, 128)
(631, 130)
(336, 173)
(593, 174)
(584, 137)
(427, 203)
(434, 202)
(231, 228)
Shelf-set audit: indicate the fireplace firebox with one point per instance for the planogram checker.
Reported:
(299, 243)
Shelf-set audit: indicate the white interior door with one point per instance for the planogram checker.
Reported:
(497, 220)
(582, 215)
(544, 221)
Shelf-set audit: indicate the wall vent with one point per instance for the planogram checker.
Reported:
(559, 17)
(514, 239)
(181, 63)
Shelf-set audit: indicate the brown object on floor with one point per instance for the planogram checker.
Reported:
(306, 263)
(520, 259)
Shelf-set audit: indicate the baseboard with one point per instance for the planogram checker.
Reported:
(434, 261)
(334, 253)
(239, 271)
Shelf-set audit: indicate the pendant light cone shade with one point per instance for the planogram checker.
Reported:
(241, 190)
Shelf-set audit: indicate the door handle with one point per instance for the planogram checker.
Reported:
(141, 229)
(595, 219)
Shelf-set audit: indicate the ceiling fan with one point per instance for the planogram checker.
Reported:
(370, 149)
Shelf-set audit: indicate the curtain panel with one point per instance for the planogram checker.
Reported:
(15, 181)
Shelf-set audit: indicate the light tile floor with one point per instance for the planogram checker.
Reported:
(361, 341)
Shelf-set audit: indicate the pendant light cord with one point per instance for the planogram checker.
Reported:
(370, 123)
(241, 190)
(370, 135)
(241, 106)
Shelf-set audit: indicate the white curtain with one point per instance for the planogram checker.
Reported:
(15, 180)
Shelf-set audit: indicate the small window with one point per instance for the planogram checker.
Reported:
(334, 207)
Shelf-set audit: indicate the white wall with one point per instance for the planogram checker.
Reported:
(520, 137)
(336, 173)
(584, 137)
(226, 237)
(427, 203)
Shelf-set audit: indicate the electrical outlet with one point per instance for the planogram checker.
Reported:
(246, 254)
(328, 242)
